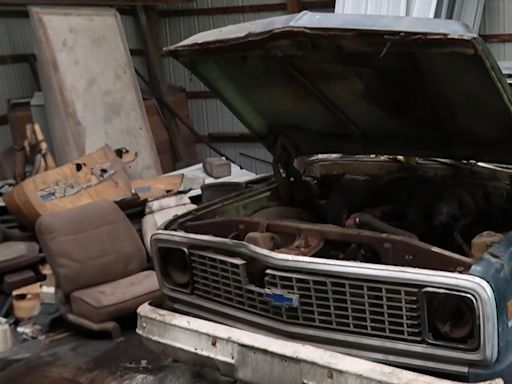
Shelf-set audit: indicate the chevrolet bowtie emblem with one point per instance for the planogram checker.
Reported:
(281, 298)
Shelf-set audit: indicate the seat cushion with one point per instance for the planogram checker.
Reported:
(108, 301)
(90, 245)
(18, 254)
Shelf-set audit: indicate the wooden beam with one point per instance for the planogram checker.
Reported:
(31, 58)
(155, 52)
(200, 95)
(279, 7)
(154, 63)
(16, 59)
(498, 38)
(21, 13)
(293, 6)
(140, 52)
(35, 72)
(223, 10)
(92, 2)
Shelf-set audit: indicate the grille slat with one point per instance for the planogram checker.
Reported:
(344, 304)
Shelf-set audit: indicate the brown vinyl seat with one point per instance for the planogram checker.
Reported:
(99, 263)
(19, 265)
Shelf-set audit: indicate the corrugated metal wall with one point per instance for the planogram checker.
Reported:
(497, 18)
(16, 80)
(210, 115)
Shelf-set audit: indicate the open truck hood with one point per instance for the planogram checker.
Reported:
(326, 83)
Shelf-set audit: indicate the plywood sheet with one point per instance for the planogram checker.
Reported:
(90, 88)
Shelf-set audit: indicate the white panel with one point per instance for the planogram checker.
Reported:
(387, 7)
(469, 12)
(91, 103)
(355, 6)
(424, 8)
(339, 6)
(372, 7)
(443, 8)
(410, 7)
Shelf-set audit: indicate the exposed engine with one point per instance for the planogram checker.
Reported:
(447, 211)
(392, 218)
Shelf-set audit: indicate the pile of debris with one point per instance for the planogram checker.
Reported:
(87, 181)
(71, 193)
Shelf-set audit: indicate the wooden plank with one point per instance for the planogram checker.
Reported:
(16, 59)
(92, 2)
(21, 13)
(156, 77)
(21, 58)
(137, 52)
(293, 6)
(279, 7)
(200, 95)
(498, 38)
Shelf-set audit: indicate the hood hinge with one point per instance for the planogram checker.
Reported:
(284, 170)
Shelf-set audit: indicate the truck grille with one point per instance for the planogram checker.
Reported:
(347, 305)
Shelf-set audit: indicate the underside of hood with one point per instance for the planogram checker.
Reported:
(355, 84)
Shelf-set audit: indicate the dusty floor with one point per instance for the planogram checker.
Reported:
(77, 359)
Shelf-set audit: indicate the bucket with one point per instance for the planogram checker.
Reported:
(6, 335)
(26, 301)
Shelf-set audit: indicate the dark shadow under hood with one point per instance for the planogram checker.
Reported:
(326, 83)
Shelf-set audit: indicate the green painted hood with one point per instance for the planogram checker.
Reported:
(325, 83)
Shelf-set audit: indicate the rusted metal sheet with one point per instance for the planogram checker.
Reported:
(91, 92)
(391, 248)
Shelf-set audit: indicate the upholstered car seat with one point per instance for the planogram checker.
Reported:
(99, 262)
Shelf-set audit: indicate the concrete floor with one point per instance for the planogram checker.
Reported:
(78, 359)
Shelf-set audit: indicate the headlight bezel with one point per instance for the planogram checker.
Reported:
(427, 296)
(171, 279)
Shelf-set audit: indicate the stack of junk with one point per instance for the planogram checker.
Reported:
(93, 159)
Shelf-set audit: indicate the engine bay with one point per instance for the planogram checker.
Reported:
(436, 216)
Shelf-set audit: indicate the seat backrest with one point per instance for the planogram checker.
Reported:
(90, 245)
